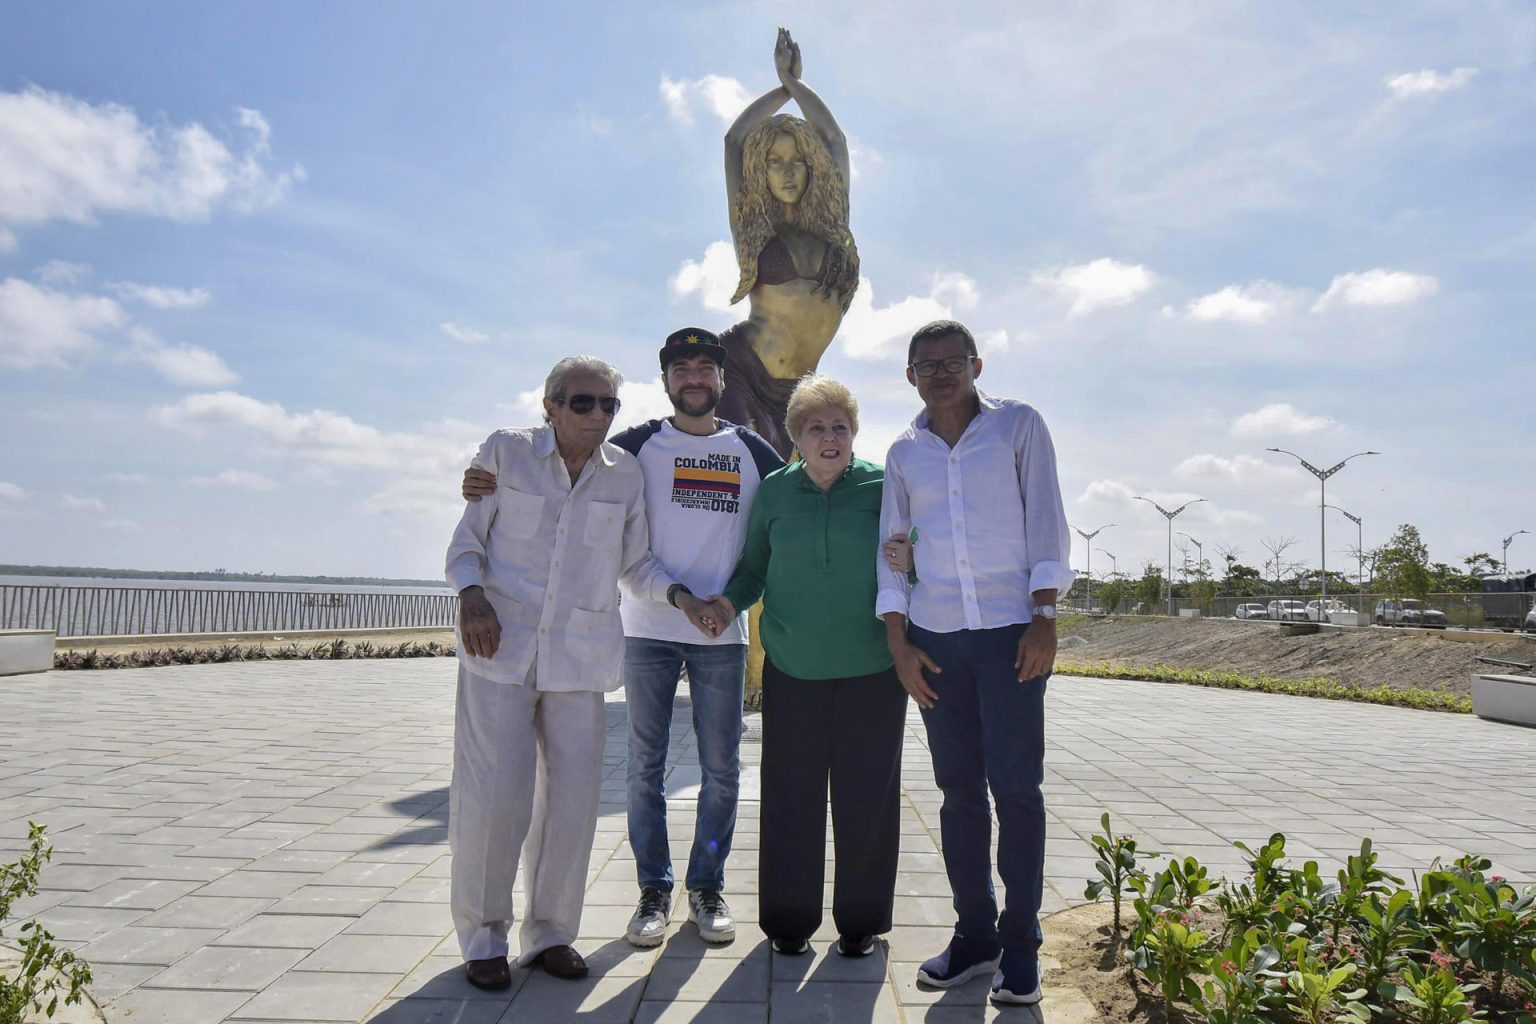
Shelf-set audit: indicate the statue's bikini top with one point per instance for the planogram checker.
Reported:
(775, 265)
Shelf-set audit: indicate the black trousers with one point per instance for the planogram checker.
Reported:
(846, 732)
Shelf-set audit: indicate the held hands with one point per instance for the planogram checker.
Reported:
(1037, 648)
(898, 553)
(478, 483)
(478, 626)
(711, 616)
(786, 58)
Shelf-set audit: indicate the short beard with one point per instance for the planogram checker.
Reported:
(706, 405)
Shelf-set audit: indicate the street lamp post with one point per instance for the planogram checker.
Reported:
(1504, 560)
(1199, 553)
(1114, 566)
(1359, 554)
(1169, 516)
(1322, 516)
(1089, 538)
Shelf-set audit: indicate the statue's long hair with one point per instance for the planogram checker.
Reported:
(821, 212)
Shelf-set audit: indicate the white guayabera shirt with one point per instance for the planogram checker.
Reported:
(549, 556)
(990, 524)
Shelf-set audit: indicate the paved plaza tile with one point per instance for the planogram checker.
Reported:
(268, 842)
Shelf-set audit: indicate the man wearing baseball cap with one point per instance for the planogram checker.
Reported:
(701, 474)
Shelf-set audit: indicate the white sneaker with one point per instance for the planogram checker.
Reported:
(708, 910)
(649, 925)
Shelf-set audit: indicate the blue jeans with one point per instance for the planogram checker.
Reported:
(988, 729)
(716, 676)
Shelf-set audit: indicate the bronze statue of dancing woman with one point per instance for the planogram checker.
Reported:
(787, 182)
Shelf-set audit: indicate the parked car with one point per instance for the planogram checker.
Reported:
(1251, 611)
(1320, 611)
(1288, 611)
(1530, 620)
(1409, 613)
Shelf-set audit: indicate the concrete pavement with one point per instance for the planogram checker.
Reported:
(267, 842)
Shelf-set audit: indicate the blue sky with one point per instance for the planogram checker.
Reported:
(269, 272)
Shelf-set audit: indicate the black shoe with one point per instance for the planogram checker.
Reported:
(855, 945)
(791, 947)
(491, 973)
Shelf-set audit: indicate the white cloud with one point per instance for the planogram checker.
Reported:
(723, 97)
(1428, 82)
(1240, 469)
(128, 478)
(84, 504)
(1098, 284)
(7, 240)
(713, 279)
(467, 335)
(639, 401)
(42, 327)
(67, 159)
(237, 479)
(160, 297)
(1378, 287)
(62, 273)
(11, 492)
(186, 365)
(1244, 304)
(1107, 490)
(871, 333)
(1279, 419)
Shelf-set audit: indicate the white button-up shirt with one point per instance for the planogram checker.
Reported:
(990, 524)
(549, 556)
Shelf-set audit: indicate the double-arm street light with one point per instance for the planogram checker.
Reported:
(1089, 538)
(1504, 560)
(1322, 516)
(1169, 516)
(1359, 554)
(1114, 569)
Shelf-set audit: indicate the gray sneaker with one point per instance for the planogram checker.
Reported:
(708, 910)
(649, 925)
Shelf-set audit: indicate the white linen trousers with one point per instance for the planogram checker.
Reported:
(527, 776)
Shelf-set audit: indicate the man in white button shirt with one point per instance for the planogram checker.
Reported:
(537, 567)
(973, 481)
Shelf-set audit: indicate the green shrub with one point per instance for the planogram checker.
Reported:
(36, 988)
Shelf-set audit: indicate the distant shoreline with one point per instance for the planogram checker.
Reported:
(216, 576)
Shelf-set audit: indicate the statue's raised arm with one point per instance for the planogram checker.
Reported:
(786, 182)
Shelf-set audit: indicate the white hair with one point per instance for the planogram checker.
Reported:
(554, 384)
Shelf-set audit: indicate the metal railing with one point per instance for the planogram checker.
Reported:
(135, 611)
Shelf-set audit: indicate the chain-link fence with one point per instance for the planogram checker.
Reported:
(1469, 611)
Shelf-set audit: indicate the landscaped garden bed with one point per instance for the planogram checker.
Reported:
(1285, 945)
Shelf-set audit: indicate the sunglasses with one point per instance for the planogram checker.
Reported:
(583, 404)
(929, 367)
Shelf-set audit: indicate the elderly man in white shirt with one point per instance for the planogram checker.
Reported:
(973, 482)
(537, 567)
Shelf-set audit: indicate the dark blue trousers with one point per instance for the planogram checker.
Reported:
(987, 731)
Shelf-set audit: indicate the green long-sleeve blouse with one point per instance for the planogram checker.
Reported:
(810, 555)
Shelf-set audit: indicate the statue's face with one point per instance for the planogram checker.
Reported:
(788, 174)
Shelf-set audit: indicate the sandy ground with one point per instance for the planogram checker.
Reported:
(1369, 658)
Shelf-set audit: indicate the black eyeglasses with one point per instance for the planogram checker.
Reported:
(583, 404)
(929, 367)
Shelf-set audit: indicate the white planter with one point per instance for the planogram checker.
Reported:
(1505, 698)
(1349, 619)
(25, 650)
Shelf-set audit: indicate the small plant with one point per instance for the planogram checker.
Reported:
(45, 969)
(1315, 992)
(1171, 955)
(1432, 995)
(1117, 866)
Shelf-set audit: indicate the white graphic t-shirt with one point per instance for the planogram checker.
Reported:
(698, 492)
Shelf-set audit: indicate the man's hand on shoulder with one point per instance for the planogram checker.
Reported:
(478, 483)
(1037, 648)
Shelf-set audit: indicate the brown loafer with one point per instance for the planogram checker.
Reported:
(563, 962)
(491, 973)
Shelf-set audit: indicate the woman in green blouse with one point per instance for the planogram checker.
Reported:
(833, 709)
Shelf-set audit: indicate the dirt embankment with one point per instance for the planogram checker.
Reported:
(1358, 657)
